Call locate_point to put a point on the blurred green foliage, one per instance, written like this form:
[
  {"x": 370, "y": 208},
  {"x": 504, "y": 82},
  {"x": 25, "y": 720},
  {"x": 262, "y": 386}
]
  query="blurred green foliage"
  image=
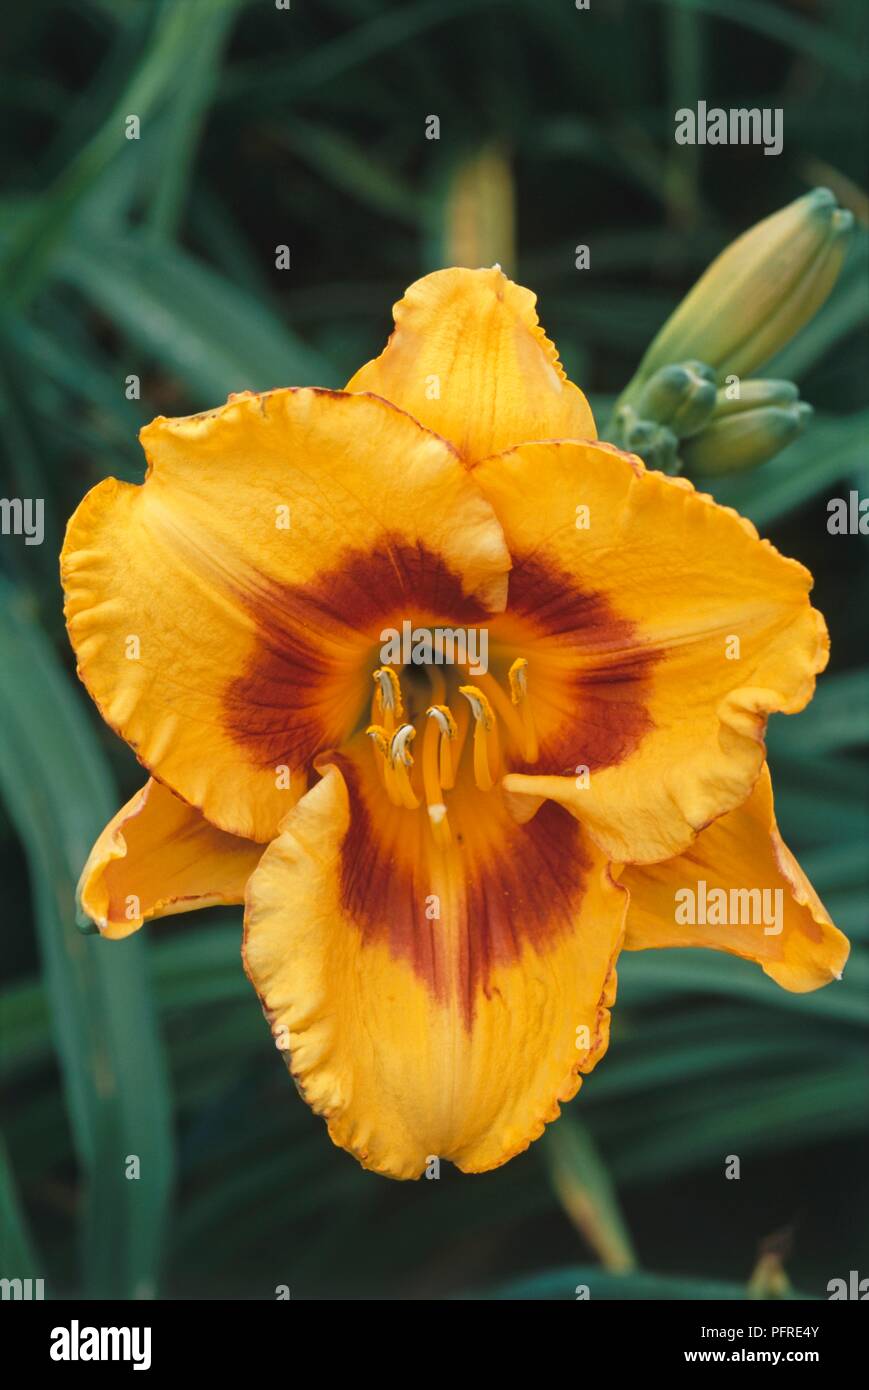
[{"x": 156, "y": 257}]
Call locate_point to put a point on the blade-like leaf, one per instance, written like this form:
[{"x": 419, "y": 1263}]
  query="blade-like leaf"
[{"x": 55, "y": 786}]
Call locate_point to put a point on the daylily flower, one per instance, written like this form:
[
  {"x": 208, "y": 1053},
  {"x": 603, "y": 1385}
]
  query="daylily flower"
[{"x": 439, "y": 869}]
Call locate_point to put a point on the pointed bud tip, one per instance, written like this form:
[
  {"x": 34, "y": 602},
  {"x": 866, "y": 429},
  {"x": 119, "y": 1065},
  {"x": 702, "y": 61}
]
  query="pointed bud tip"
[
  {"x": 820, "y": 197},
  {"x": 823, "y": 204},
  {"x": 842, "y": 221}
]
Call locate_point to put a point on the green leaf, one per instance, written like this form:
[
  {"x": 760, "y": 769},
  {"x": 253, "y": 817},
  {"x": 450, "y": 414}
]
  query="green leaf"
[
  {"x": 752, "y": 1114},
  {"x": 188, "y": 106},
  {"x": 161, "y": 68},
  {"x": 17, "y": 1250},
  {"x": 819, "y": 799},
  {"x": 554, "y": 1284},
  {"x": 24, "y": 1027},
  {"x": 813, "y": 40},
  {"x": 837, "y": 718},
  {"x": 55, "y": 786},
  {"x": 586, "y": 1191},
  {"x": 660, "y": 975},
  {"x": 352, "y": 170},
  {"x": 338, "y": 57},
  {"x": 191, "y": 319}
]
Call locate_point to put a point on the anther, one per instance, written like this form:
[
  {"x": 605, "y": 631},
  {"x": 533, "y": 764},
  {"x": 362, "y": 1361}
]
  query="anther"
[
  {"x": 380, "y": 737},
  {"x": 480, "y": 707},
  {"x": 518, "y": 677},
  {"x": 485, "y": 737},
  {"x": 442, "y": 716},
  {"x": 444, "y": 731},
  {"x": 399, "y": 747},
  {"x": 388, "y": 693},
  {"x": 401, "y": 760}
]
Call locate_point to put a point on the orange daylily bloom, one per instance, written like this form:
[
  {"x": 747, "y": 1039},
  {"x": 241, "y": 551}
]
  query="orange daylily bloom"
[{"x": 440, "y": 861}]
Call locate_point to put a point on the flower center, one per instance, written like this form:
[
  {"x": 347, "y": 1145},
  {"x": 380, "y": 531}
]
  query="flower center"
[{"x": 502, "y": 721}]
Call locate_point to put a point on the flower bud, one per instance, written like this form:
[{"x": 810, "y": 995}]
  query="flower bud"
[
  {"x": 754, "y": 394},
  {"x": 681, "y": 396},
  {"x": 743, "y": 439},
  {"x": 656, "y": 445},
  {"x": 757, "y": 294}
]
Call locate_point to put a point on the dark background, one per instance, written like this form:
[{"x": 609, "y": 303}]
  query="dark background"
[{"x": 156, "y": 257}]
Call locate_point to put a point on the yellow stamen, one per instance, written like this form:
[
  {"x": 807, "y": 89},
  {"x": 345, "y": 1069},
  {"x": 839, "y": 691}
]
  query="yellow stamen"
[
  {"x": 401, "y": 761},
  {"x": 443, "y": 717},
  {"x": 485, "y": 737},
  {"x": 518, "y": 677},
  {"x": 388, "y": 696},
  {"x": 439, "y": 730},
  {"x": 463, "y": 721},
  {"x": 399, "y": 746},
  {"x": 430, "y": 779},
  {"x": 480, "y": 707},
  {"x": 502, "y": 706},
  {"x": 442, "y": 720},
  {"x": 380, "y": 737}
]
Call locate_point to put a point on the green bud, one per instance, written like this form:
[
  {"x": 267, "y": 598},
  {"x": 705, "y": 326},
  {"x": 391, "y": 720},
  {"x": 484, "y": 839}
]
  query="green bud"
[
  {"x": 681, "y": 396},
  {"x": 656, "y": 445},
  {"x": 744, "y": 440},
  {"x": 752, "y": 395},
  {"x": 757, "y": 294}
]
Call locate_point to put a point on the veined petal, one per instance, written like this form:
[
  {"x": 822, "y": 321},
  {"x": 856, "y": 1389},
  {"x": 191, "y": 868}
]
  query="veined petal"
[
  {"x": 158, "y": 856},
  {"x": 432, "y": 1004},
  {"x": 741, "y": 874},
  {"x": 469, "y": 359},
  {"x": 226, "y": 614},
  {"x": 660, "y": 633}
]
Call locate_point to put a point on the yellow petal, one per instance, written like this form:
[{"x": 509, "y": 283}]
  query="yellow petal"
[
  {"x": 771, "y": 913},
  {"x": 432, "y": 1004},
  {"x": 469, "y": 359},
  {"x": 660, "y": 633},
  {"x": 158, "y": 856},
  {"x": 226, "y": 612}
]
